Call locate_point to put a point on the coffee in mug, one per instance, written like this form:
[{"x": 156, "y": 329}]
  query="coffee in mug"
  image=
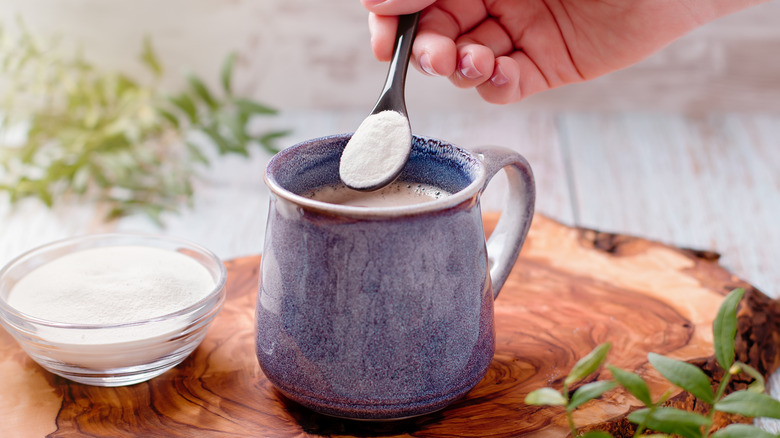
[{"x": 394, "y": 194}]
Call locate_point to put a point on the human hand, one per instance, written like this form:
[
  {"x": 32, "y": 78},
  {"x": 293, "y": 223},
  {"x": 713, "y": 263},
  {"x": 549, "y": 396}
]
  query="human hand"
[{"x": 510, "y": 49}]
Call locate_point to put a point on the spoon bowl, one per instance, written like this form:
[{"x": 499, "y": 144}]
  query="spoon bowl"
[{"x": 380, "y": 147}]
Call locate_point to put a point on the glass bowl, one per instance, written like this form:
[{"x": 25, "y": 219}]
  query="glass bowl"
[{"x": 111, "y": 354}]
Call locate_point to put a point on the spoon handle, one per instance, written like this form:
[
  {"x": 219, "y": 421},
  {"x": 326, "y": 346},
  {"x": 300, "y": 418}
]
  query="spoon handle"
[{"x": 392, "y": 96}]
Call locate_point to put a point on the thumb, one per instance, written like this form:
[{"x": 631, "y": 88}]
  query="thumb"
[{"x": 396, "y": 7}]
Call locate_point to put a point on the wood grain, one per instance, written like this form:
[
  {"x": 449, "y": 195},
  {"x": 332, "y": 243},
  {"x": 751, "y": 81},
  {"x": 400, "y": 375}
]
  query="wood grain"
[{"x": 570, "y": 290}]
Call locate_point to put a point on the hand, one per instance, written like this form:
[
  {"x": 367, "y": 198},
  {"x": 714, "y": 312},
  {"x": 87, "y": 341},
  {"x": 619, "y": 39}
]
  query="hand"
[{"x": 510, "y": 49}]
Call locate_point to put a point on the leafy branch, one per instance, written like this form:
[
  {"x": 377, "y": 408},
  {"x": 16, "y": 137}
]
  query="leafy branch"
[
  {"x": 67, "y": 128},
  {"x": 749, "y": 402}
]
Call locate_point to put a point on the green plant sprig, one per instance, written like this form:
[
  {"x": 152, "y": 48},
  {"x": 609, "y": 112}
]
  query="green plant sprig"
[
  {"x": 105, "y": 137},
  {"x": 749, "y": 402}
]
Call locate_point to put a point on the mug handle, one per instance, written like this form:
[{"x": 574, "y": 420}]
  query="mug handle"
[{"x": 505, "y": 242}]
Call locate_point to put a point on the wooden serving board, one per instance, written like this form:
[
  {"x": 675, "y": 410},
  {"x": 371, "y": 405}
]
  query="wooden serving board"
[{"x": 571, "y": 290}]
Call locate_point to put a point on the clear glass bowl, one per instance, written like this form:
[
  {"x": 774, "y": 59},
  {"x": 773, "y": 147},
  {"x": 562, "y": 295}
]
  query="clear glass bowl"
[{"x": 138, "y": 350}]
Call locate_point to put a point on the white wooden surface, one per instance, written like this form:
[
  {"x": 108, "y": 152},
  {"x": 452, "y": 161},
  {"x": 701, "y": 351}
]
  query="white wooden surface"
[{"x": 701, "y": 182}]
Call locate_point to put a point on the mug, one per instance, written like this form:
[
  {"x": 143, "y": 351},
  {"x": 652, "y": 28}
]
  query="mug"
[{"x": 385, "y": 312}]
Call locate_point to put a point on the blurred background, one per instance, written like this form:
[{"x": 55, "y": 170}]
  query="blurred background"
[{"x": 308, "y": 54}]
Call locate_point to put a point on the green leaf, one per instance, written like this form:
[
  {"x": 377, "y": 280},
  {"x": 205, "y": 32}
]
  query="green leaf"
[
  {"x": 124, "y": 85},
  {"x": 28, "y": 187},
  {"x": 596, "y": 434},
  {"x": 224, "y": 145},
  {"x": 749, "y": 404},
  {"x": 758, "y": 385},
  {"x": 742, "y": 431},
  {"x": 589, "y": 392},
  {"x": 588, "y": 364},
  {"x": 227, "y": 73},
  {"x": 724, "y": 328},
  {"x": 267, "y": 141},
  {"x": 60, "y": 170},
  {"x": 237, "y": 128},
  {"x": 154, "y": 212},
  {"x": 117, "y": 212},
  {"x": 684, "y": 375},
  {"x": 104, "y": 136},
  {"x": 149, "y": 57},
  {"x": 173, "y": 120},
  {"x": 670, "y": 420},
  {"x": 201, "y": 90},
  {"x": 80, "y": 180},
  {"x": 633, "y": 383},
  {"x": 112, "y": 143},
  {"x": 252, "y": 107},
  {"x": 197, "y": 154},
  {"x": 546, "y": 397},
  {"x": 185, "y": 103}
]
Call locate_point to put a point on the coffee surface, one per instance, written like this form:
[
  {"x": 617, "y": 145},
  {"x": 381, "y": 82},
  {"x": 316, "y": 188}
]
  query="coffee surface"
[{"x": 395, "y": 194}]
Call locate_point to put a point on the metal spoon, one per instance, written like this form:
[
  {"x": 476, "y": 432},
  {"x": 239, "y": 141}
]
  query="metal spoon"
[{"x": 380, "y": 147}]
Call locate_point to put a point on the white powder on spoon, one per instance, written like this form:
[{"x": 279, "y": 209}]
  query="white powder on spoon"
[
  {"x": 377, "y": 151},
  {"x": 111, "y": 285}
]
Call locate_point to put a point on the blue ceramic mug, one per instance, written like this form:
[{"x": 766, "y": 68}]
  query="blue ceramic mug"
[{"x": 386, "y": 312}]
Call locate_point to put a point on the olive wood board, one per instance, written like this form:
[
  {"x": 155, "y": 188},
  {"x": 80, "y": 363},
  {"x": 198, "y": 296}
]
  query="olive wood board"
[{"x": 570, "y": 290}]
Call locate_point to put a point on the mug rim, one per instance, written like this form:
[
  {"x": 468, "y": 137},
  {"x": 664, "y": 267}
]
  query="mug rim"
[{"x": 457, "y": 198}]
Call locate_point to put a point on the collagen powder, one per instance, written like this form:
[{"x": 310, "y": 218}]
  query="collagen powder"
[
  {"x": 111, "y": 285},
  {"x": 377, "y": 151}
]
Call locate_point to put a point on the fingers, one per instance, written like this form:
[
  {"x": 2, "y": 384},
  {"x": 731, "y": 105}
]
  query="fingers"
[
  {"x": 396, "y": 7},
  {"x": 503, "y": 85},
  {"x": 477, "y": 51},
  {"x": 382, "y": 29},
  {"x": 383, "y": 22},
  {"x": 485, "y": 57},
  {"x": 434, "y": 51},
  {"x": 491, "y": 35},
  {"x": 514, "y": 78},
  {"x": 475, "y": 66},
  {"x": 434, "y": 54}
]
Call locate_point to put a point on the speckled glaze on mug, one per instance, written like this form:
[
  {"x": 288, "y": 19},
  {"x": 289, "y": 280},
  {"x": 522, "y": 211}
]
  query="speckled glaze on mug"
[{"x": 387, "y": 312}]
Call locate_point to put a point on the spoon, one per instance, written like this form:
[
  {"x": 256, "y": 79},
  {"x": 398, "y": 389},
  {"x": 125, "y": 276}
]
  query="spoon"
[{"x": 380, "y": 147}]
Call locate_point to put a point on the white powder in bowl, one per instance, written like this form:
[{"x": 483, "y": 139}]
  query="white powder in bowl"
[
  {"x": 110, "y": 285},
  {"x": 122, "y": 284},
  {"x": 377, "y": 151}
]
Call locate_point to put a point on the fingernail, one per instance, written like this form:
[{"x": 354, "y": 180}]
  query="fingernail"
[
  {"x": 468, "y": 69},
  {"x": 499, "y": 78},
  {"x": 425, "y": 64},
  {"x": 372, "y": 2}
]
